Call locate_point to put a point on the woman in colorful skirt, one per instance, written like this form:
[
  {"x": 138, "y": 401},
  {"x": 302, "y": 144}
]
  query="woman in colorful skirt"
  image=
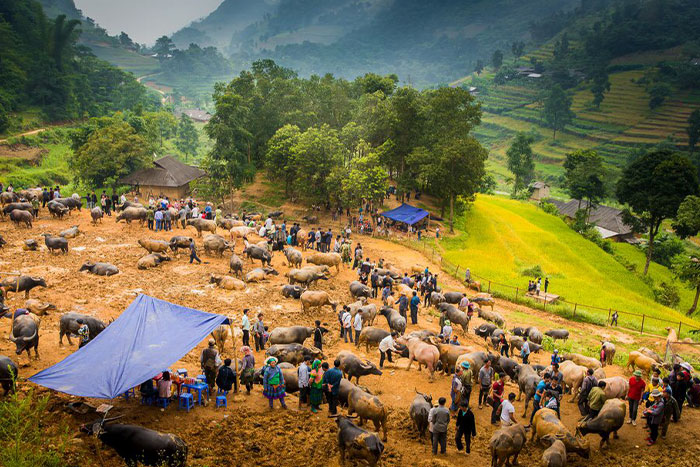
[
  {"x": 315, "y": 381},
  {"x": 273, "y": 382},
  {"x": 247, "y": 368}
]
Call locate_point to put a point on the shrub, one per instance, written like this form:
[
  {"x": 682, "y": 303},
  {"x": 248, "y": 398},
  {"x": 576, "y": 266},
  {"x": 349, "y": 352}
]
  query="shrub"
[
  {"x": 667, "y": 294},
  {"x": 665, "y": 248},
  {"x": 549, "y": 208},
  {"x": 534, "y": 271},
  {"x": 594, "y": 236}
]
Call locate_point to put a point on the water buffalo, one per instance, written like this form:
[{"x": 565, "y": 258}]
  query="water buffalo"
[
  {"x": 485, "y": 330},
  {"x": 476, "y": 360},
  {"x": 259, "y": 274},
  {"x": 519, "y": 331},
  {"x": 353, "y": 367},
  {"x": 453, "y": 297},
  {"x": 254, "y": 252},
  {"x": 227, "y": 223},
  {"x": 293, "y": 353},
  {"x": 22, "y": 284},
  {"x": 241, "y": 231},
  {"x": 55, "y": 243},
  {"x": 449, "y": 354},
  {"x": 368, "y": 407},
  {"x": 71, "y": 203},
  {"x": 292, "y": 291},
  {"x": 616, "y": 387},
  {"x": 494, "y": 318},
  {"x": 650, "y": 353},
  {"x": 38, "y": 307},
  {"x": 420, "y": 407},
  {"x": 151, "y": 261},
  {"x": 573, "y": 376},
  {"x": 582, "y": 360},
  {"x": 422, "y": 352},
  {"x": 326, "y": 259},
  {"x": 22, "y": 217},
  {"x": 516, "y": 343},
  {"x": 16, "y": 207},
  {"x": 394, "y": 319},
  {"x": 8, "y": 374},
  {"x": 455, "y": 315},
  {"x": 68, "y": 324},
  {"x": 436, "y": 298},
  {"x": 227, "y": 282},
  {"x": 310, "y": 219},
  {"x": 545, "y": 422},
  {"x": 358, "y": 289},
  {"x": 506, "y": 365},
  {"x": 368, "y": 313},
  {"x": 179, "y": 242},
  {"x": 316, "y": 299},
  {"x": 293, "y": 256},
  {"x": 555, "y": 454},
  {"x": 535, "y": 335},
  {"x": 25, "y": 335},
  {"x": 557, "y": 334},
  {"x": 96, "y": 214},
  {"x": 216, "y": 243},
  {"x": 131, "y": 214},
  {"x": 305, "y": 276},
  {"x": 290, "y": 335},
  {"x": 610, "y": 419},
  {"x": 56, "y": 209},
  {"x": 127, "y": 204},
  {"x": 8, "y": 197},
  {"x": 371, "y": 336},
  {"x": 644, "y": 363},
  {"x": 528, "y": 379},
  {"x": 30, "y": 245},
  {"x": 154, "y": 246},
  {"x": 70, "y": 233},
  {"x": 609, "y": 349},
  {"x": 356, "y": 443},
  {"x": 484, "y": 300},
  {"x": 202, "y": 225},
  {"x": 506, "y": 442},
  {"x": 100, "y": 269},
  {"x": 136, "y": 444}
]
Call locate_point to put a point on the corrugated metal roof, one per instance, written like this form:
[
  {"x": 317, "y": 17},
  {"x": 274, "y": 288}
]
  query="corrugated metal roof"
[
  {"x": 602, "y": 216},
  {"x": 168, "y": 172}
]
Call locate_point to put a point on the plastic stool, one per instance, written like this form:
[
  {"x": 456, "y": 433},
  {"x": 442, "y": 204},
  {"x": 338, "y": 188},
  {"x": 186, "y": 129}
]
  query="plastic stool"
[
  {"x": 162, "y": 402},
  {"x": 186, "y": 401},
  {"x": 129, "y": 393},
  {"x": 182, "y": 372},
  {"x": 221, "y": 401},
  {"x": 202, "y": 378}
]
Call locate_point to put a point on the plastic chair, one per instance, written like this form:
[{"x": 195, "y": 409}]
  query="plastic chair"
[
  {"x": 221, "y": 401},
  {"x": 186, "y": 401},
  {"x": 162, "y": 402}
]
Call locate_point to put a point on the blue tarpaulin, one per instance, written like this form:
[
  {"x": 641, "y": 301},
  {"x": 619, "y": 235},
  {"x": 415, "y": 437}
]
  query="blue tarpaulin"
[
  {"x": 406, "y": 213},
  {"x": 148, "y": 337}
]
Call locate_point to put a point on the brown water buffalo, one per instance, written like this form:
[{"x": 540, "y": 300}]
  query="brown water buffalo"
[
  {"x": 610, "y": 419},
  {"x": 235, "y": 265},
  {"x": 304, "y": 276},
  {"x": 573, "y": 377},
  {"x": 356, "y": 443},
  {"x": 217, "y": 244},
  {"x": 368, "y": 313},
  {"x": 259, "y": 274},
  {"x": 651, "y": 354},
  {"x": 293, "y": 256},
  {"x": 492, "y": 316},
  {"x": 290, "y": 335},
  {"x": 506, "y": 443},
  {"x": 151, "y": 261},
  {"x": 534, "y": 335},
  {"x": 644, "y": 363},
  {"x": 221, "y": 335},
  {"x": 293, "y": 353},
  {"x": 449, "y": 354},
  {"x": 38, "y": 307},
  {"x": 477, "y": 360},
  {"x": 484, "y": 300},
  {"x": 227, "y": 282},
  {"x": 202, "y": 225},
  {"x": 422, "y": 352},
  {"x": 555, "y": 454},
  {"x": 316, "y": 299},
  {"x": 371, "y": 336},
  {"x": 133, "y": 214},
  {"x": 456, "y": 316},
  {"x": 22, "y": 217},
  {"x": 368, "y": 407},
  {"x": 582, "y": 360},
  {"x": 326, "y": 259},
  {"x": 616, "y": 387},
  {"x": 545, "y": 422},
  {"x": 353, "y": 367}
]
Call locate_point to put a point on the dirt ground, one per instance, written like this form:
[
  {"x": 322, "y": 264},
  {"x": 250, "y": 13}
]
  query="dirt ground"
[{"x": 247, "y": 433}]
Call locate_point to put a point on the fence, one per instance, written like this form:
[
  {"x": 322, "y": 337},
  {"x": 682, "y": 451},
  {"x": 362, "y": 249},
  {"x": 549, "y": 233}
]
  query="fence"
[{"x": 571, "y": 310}]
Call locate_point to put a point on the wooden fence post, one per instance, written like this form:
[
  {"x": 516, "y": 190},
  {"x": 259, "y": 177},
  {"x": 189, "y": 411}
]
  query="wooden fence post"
[
  {"x": 516, "y": 293},
  {"x": 575, "y": 306},
  {"x": 544, "y": 303},
  {"x": 489, "y": 287},
  {"x": 641, "y": 331},
  {"x": 457, "y": 272},
  {"x": 609, "y": 313},
  {"x": 679, "y": 328}
]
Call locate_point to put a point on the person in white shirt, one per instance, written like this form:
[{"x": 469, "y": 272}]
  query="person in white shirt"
[
  {"x": 268, "y": 222},
  {"x": 447, "y": 331},
  {"x": 347, "y": 326},
  {"x": 262, "y": 231},
  {"x": 357, "y": 324},
  {"x": 123, "y": 199},
  {"x": 386, "y": 346},
  {"x": 195, "y": 212},
  {"x": 507, "y": 411},
  {"x": 245, "y": 327}
]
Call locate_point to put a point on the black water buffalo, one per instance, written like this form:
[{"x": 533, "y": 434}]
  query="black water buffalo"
[
  {"x": 534, "y": 335},
  {"x": 22, "y": 217},
  {"x": 610, "y": 419},
  {"x": 453, "y": 297},
  {"x": 68, "y": 324},
  {"x": 557, "y": 334},
  {"x": 519, "y": 331},
  {"x": 290, "y": 335},
  {"x": 100, "y": 269},
  {"x": 353, "y": 367},
  {"x": 55, "y": 243},
  {"x": 420, "y": 407},
  {"x": 292, "y": 291},
  {"x": 8, "y": 374},
  {"x": 357, "y": 443},
  {"x": 57, "y": 209},
  {"x": 358, "y": 289},
  {"x": 485, "y": 330},
  {"x": 527, "y": 379},
  {"x": 136, "y": 444},
  {"x": 293, "y": 353},
  {"x": 396, "y": 321},
  {"x": 371, "y": 336},
  {"x": 516, "y": 343},
  {"x": 25, "y": 335},
  {"x": 16, "y": 207},
  {"x": 71, "y": 203},
  {"x": 455, "y": 315},
  {"x": 254, "y": 252},
  {"x": 507, "y": 366},
  {"x": 96, "y": 214},
  {"x": 179, "y": 242},
  {"x": 22, "y": 284}
]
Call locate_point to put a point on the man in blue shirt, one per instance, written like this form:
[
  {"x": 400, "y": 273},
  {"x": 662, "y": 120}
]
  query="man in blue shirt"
[
  {"x": 415, "y": 301},
  {"x": 331, "y": 384},
  {"x": 539, "y": 393}
]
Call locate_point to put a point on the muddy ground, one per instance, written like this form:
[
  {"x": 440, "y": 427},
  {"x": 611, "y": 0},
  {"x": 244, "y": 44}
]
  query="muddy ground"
[{"x": 247, "y": 433}]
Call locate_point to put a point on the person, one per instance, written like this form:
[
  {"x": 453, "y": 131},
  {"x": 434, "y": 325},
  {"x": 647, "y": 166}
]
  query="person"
[
  {"x": 537, "y": 287},
  {"x": 539, "y": 394},
  {"x": 466, "y": 378},
  {"x": 374, "y": 281},
  {"x": 193, "y": 252},
  {"x": 341, "y": 315},
  {"x": 147, "y": 390},
  {"x": 447, "y": 331},
  {"x": 158, "y": 216},
  {"x": 463, "y": 303},
  {"x": 654, "y": 416},
  {"x": 525, "y": 351},
  {"x": 556, "y": 359},
  {"x": 589, "y": 382},
  {"x": 150, "y": 215},
  {"x": 347, "y": 325},
  {"x": 596, "y": 399},
  {"x": 259, "y": 330},
  {"x": 386, "y": 293},
  {"x": 318, "y": 335},
  {"x": 167, "y": 220},
  {"x": 634, "y": 395},
  {"x": 613, "y": 320},
  {"x": 466, "y": 427},
  {"x": 386, "y": 346},
  {"x": 654, "y": 384},
  {"x": 245, "y": 327},
  {"x": 437, "y": 232},
  {"x": 497, "y": 390},
  {"x": 485, "y": 379},
  {"x": 226, "y": 377},
  {"x": 316, "y": 384},
  {"x": 303, "y": 375},
  {"x": 503, "y": 345},
  {"x": 35, "y": 207},
  {"x": 45, "y": 197},
  {"x": 468, "y": 276},
  {"x": 671, "y": 411},
  {"x": 247, "y": 368},
  {"x": 507, "y": 411},
  {"x": 439, "y": 419},
  {"x": 693, "y": 395},
  {"x": 273, "y": 382},
  {"x": 415, "y": 302},
  {"x": 402, "y": 302},
  {"x": 456, "y": 389},
  {"x": 182, "y": 216},
  {"x": 454, "y": 340},
  {"x": 165, "y": 386},
  {"x": 681, "y": 385},
  {"x": 546, "y": 284},
  {"x": 83, "y": 332},
  {"x": 331, "y": 381},
  {"x": 357, "y": 326},
  {"x": 210, "y": 361},
  {"x": 556, "y": 374},
  {"x": 551, "y": 401}
]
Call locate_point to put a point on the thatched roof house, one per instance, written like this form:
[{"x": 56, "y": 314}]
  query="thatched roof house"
[{"x": 168, "y": 177}]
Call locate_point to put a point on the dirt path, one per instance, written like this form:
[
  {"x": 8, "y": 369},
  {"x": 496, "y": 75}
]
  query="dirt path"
[
  {"x": 247, "y": 433},
  {"x": 27, "y": 133}
]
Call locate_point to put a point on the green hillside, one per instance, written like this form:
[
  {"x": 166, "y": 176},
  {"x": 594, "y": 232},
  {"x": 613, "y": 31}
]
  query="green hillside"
[{"x": 501, "y": 238}]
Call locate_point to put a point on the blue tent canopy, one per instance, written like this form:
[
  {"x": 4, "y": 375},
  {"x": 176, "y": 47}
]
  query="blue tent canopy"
[
  {"x": 406, "y": 213},
  {"x": 149, "y": 336}
]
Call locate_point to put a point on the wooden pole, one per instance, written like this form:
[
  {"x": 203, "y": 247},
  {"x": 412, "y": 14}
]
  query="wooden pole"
[
  {"x": 516, "y": 293},
  {"x": 679, "y": 328},
  {"x": 489, "y": 287},
  {"x": 641, "y": 331},
  {"x": 575, "y": 306}
]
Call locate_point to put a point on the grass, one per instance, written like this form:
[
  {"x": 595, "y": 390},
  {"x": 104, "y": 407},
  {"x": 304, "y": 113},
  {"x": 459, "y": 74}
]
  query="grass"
[
  {"x": 128, "y": 60},
  {"x": 500, "y": 238}
]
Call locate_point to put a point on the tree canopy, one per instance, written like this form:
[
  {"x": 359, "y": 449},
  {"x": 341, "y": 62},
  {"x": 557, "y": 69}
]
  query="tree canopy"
[
  {"x": 520, "y": 162},
  {"x": 585, "y": 176}
]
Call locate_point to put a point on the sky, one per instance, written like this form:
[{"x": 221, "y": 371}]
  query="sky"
[{"x": 145, "y": 20}]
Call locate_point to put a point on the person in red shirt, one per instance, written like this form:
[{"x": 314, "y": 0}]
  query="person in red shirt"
[
  {"x": 497, "y": 396},
  {"x": 634, "y": 396}
]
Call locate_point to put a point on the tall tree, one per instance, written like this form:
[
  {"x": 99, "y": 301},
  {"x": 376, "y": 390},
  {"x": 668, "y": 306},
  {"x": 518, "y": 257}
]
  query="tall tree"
[
  {"x": 600, "y": 85},
  {"x": 497, "y": 59},
  {"x": 63, "y": 36},
  {"x": 479, "y": 67},
  {"x": 693, "y": 129},
  {"x": 366, "y": 180},
  {"x": 187, "y": 138},
  {"x": 315, "y": 154},
  {"x": 520, "y": 161},
  {"x": 158, "y": 126},
  {"x": 164, "y": 46},
  {"x": 584, "y": 173},
  {"x": 517, "y": 47},
  {"x": 687, "y": 222},
  {"x": 280, "y": 151},
  {"x": 687, "y": 269},
  {"x": 557, "y": 109},
  {"x": 654, "y": 186}
]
